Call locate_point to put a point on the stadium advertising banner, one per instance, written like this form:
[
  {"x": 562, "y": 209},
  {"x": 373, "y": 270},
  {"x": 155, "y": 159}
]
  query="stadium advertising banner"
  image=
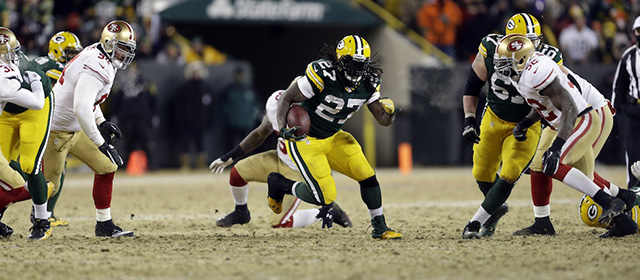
[{"x": 306, "y": 12}]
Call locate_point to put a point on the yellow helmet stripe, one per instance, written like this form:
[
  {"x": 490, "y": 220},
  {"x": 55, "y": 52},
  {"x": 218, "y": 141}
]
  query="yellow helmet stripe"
[{"x": 315, "y": 78}]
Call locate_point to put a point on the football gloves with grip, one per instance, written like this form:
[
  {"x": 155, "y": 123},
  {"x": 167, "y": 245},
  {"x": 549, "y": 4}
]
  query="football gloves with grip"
[
  {"x": 290, "y": 133},
  {"x": 217, "y": 166},
  {"x": 30, "y": 77},
  {"x": 520, "y": 131},
  {"x": 326, "y": 215},
  {"x": 388, "y": 105},
  {"x": 551, "y": 158},
  {"x": 110, "y": 132},
  {"x": 471, "y": 131},
  {"x": 110, "y": 151}
]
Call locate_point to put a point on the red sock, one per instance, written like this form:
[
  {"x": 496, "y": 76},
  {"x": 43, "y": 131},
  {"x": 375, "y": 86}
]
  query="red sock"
[
  {"x": 601, "y": 182},
  {"x": 13, "y": 196},
  {"x": 235, "y": 179},
  {"x": 541, "y": 186},
  {"x": 102, "y": 187}
]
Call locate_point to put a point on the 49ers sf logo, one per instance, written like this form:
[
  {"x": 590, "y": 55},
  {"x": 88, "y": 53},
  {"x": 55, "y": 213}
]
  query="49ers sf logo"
[
  {"x": 516, "y": 45},
  {"x": 114, "y": 27},
  {"x": 4, "y": 39}
]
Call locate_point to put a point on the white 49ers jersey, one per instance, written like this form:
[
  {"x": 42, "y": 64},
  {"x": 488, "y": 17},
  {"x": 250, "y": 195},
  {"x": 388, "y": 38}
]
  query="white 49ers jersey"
[
  {"x": 271, "y": 107},
  {"x": 590, "y": 93},
  {"x": 10, "y": 83},
  {"x": 538, "y": 73},
  {"x": 93, "y": 62}
]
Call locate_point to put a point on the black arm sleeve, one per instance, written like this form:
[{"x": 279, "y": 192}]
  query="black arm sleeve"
[{"x": 473, "y": 85}]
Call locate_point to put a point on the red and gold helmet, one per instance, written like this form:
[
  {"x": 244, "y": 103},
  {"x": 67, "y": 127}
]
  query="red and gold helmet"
[
  {"x": 9, "y": 46},
  {"x": 119, "y": 41}
]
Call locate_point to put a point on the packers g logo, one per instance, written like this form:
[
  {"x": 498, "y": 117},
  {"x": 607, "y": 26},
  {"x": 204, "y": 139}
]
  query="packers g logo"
[
  {"x": 592, "y": 212},
  {"x": 511, "y": 24},
  {"x": 115, "y": 28},
  {"x": 340, "y": 45},
  {"x": 59, "y": 39},
  {"x": 515, "y": 46},
  {"x": 4, "y": 39}
]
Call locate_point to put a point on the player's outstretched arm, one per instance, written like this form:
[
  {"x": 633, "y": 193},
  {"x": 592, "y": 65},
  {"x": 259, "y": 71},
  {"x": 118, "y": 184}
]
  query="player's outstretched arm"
[
  {"x": 476, "y": 78},
  {"x": 254, "y": 139},
  {"x": 383, "y": 110},
  {"x": 11, "y": 91}
]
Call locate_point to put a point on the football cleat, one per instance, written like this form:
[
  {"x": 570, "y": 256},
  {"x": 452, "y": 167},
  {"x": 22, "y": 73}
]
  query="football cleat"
[
  {"x": 611, "y": 207},
  {"x": 40, "y": 230},
  {"x": 629, "y": 198},
  {"x": 622, "y": 225},
  {"x": 340, "y": 217},
  {"x": 276, "y": 183},
  {"x": 471, "y": 230},
  {"x": 55, "y": 222},
  {"x": 381, "y": 231},
  {"x": 239, "y": 216},
  {"x": 541, "y": 226},
  {"x": 489, "y": 226},
  {"x": 5, "y": 230},
  {"x": 109, "y": 229}
]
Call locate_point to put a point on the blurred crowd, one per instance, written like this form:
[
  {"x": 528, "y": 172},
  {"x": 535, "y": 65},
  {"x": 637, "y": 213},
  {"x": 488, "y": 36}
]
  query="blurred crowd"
[
  {"x": 35, "y": 21},
  {"x": 588, "y": 31}
]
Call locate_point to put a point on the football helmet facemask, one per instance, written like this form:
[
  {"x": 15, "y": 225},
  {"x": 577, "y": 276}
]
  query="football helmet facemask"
[
  {"x": 525, "y": 24},
  {"x": 9, "y": 46},
  {"x": 64, "y": 46},
  {"x": 591, "y": 211},
  {"x": 354, "y": 55},
  {"x": 119, "y": 41},
  {"x": 511, "y": 56}
]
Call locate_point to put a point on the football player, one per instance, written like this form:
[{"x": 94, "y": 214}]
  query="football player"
[
  {"x": 257, "y": 167},
  {"x": 24, "y": 131},
  {"x": 11, "y": 91},
  {"x": 333, "y": 89},
  {"x": 503, "y": 110},
  {"x": 78, "y": 126},
  {"x": 63, "y": 47},
  {"x": 555, "y": 97}
]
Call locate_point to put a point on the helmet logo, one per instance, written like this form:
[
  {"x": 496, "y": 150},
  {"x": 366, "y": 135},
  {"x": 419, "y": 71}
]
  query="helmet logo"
[
  {"x": 515, "y": 46},
  {"x": 114, "y": 27},
  {"x": 592, "y": 212},
  {"x": 340, "y": 45},
  {"x": 511, "y": 24},
  {"x": 59, "y": 39},
  {"x": 4, "y": 39}
]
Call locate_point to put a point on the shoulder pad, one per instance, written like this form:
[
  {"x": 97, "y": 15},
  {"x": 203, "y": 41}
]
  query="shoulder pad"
[
  {"x": 319, "y": 70},
  {"x": 541, "y": 74},
  {"x": 489, "y": 43}
]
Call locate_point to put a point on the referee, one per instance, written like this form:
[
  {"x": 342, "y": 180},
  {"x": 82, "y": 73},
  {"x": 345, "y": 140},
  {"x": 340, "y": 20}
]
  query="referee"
[{"x": 625, "y": 97}]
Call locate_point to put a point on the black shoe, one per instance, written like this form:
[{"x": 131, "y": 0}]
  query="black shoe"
[
  {"x": 381, "y": 231},
  {"x": 611, "y": 206},
  {"x": 109, "y": 229},
  {"x": 277, "y": 185},
  {"x": 541, "y": 226},
  {"x": 629, "y": 198},
  {"x": 5, "y": 230},
  {"x": 40, "y": 230},
  {"x": 489, "y": 226},
  {"x": 471, "y": 230},
  {"x": 340, "y": 217},
  {"x": 240, "y": 216},
  {"x": 622, "y": 225},
  {"x": 326, "y": 215}
]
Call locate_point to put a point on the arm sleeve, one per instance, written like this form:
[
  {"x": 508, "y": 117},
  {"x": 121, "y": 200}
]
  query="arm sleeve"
[
  {"x": 84, "y": 95},
  {"x": 32, "y": 99}
]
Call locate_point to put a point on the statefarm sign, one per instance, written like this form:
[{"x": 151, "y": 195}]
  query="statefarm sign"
[{"x": 268, "y": 10}]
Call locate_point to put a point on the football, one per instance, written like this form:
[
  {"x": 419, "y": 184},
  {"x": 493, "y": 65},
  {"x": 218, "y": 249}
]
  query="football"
[{"x": 298, "y": 116}]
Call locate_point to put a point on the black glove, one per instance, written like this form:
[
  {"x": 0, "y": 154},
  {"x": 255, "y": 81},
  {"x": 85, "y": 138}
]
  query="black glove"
[
  {"x": 290, "y": 133},
  {"x": 110, "y": 151},
  {"x": 326, "y": 214},
  {"x": 371, "y": 81},
  {"x": 110, "y": 132},
  {"x": 551, "y": 158},
  {"x": 520, "y": 131},
  {"x": 471, "y": 130}
]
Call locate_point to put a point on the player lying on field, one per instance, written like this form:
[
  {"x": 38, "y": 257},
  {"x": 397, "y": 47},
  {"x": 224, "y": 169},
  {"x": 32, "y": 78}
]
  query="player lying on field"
[{"x": 257, "y": 167}]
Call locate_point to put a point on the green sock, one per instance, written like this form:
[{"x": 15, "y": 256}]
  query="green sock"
[
  {"x": 497, "y": 195},
  {"x": 371, "y": 196},
  {"x": 37, "y": 188},
  {"x": 303, "y": 192},
  {"x": 485, "y": 187}
]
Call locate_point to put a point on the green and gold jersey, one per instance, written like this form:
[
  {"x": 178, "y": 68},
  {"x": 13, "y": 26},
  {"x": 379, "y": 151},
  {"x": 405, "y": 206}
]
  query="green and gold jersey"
[
  {"x": 329, "y": 103},
  {"x": 502, "y": 96},
  {"x": 27, "y": 65},
  {"x": 50, "y": 67}
]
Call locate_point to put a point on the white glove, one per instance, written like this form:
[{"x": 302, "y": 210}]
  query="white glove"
[
  {"x": 635, "y": 169},
  {"x": 217, "y": 166},
  {"x": 30, "y": 77}
]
